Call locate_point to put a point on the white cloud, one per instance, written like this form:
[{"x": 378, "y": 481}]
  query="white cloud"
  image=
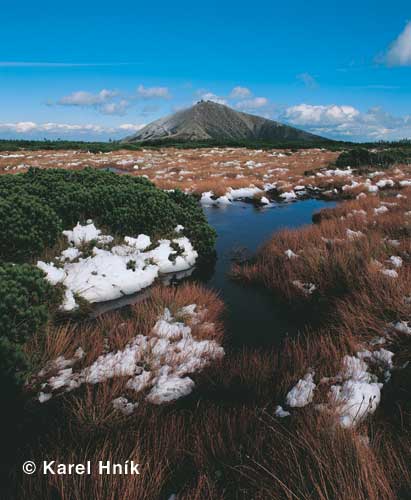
[
  {"x": 255, "y": 103},
  {"x": 304, "y": 114},
  {"x": 153, "y": 92},
  {"x": 73, "y": 130},
  {"x": 209, "y": 96},
  {"x": 240, "y": 93},
  {"x": 115, "y": 108},
  {"x": 108, "y": 102},
  {"x": 131, "y": 127},
  {"x": 20, "y": 127},
  {"x": 82, "y": 98},
  {"x": 399, "y": 52},
  {"x": 347, "y": 122}
]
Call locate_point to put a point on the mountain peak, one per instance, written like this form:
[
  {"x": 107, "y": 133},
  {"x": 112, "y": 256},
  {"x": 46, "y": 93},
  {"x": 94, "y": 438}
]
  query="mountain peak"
[{"x": 211, "y": 121}]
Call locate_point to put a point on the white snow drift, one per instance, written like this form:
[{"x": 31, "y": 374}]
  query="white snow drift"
[
  {"x": 110, "y": 273},
  {"x": 157, "y": 364}
]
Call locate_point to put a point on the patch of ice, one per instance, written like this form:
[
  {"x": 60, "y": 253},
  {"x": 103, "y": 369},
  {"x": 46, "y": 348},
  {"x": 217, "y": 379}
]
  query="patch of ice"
[
  {"x": 140, "y": 243},
  {"x": 391, "y": 273},
  {"x": 380, "y": 210},
  {"x": 353, "y": 235},
  {"x": 70, "y": 254},
  {"x": 43, "y": 397},
  {"x": 402, "y": 327},
  {"x": 354, "y": 400},
  {"x": 288, "y": 196},
  {"x": 290, "y": 254},
  {"x": 338, "y": 172},
  {"x": 359, "y": 393},
  {"x": 54, "y": 274},
  {"x": 82, "y": 234},
  {"x": 168, "y": 388},
  {"x": 396, "y": 261},
  {"x": 243, "y": 193},
  {"x": 207, "y": 198},
  {"x": 280, "y": 412},
  {"x": 123, "y": 405},
  {"x": 306, "y": 288},
  {"x": 302, "y": 393},
  {"x": 384, "y": 183}
]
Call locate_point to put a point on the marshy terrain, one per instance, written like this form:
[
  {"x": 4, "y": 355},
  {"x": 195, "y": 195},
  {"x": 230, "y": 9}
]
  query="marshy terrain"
[{"x": 276, "y": 366}]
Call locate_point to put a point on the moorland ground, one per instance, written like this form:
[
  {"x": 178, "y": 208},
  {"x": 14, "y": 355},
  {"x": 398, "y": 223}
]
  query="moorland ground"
[{"x": 344, "y": 381}]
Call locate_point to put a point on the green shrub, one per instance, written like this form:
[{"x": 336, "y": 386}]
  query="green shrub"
[
  {"x": 200, "y": 233},
  {"x": 27, "y": 226},
  {"x": 26, "y": 301},
  {"x": 123, "y": 204},
  {"x": 363, "y": 158}
]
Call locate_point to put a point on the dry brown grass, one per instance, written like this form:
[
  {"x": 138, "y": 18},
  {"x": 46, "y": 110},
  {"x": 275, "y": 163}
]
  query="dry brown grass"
[
  {"x": 312, "y": 462},
  {"x": 116, "y": 449},
  {"x": 197, "y": 170},
  {"x": 223, "y": 443},
  {"x": 215, "y": 447},
  {"x": 216, "y": 169},
  {"x": 337, "y": 264}
]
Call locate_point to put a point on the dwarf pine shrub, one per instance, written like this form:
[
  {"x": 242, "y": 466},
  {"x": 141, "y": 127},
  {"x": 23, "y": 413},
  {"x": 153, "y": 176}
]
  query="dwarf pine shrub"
[
  {"x": 26, "y": 301},
  {"x": 362, "y": 157},
  {"x": 124, "y": 205},
  {"x": 27, "y": 226}
]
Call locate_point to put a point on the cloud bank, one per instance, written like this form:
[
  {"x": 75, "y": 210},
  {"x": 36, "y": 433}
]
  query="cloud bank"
[
  {"x": 66, "y": 130},
  {"x": 347, "y": 122}
]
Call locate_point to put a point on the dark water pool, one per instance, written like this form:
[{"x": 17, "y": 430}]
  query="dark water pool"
[{"x": 253, "y": 317}]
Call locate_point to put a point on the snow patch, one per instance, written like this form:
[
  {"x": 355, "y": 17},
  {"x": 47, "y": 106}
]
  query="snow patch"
[
  {"x": 302, "y": 393},
  {"x": 123, "y": 270},
  {"x": 168, "y": 355}
]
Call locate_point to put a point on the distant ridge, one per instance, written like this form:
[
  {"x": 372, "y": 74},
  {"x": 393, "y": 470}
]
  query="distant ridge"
[{"x": 209, "y": 121}]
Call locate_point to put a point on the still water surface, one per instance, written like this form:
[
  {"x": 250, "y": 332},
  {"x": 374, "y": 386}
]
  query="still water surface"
[{"x": 252, "y": 317}]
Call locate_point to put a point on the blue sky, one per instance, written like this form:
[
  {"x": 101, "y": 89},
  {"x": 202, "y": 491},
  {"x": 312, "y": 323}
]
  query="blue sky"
[{"x": 94, "y": 70}]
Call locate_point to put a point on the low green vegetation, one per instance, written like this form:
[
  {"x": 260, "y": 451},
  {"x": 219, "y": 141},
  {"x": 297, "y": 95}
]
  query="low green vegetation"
[
  {"x": 384, "y": 158},
  {"x": 27, "y": 226},
  {"x": 104, "y": 147},
  {"x": 92, "y": 147},
  {"x": 27, "y": 302},
  {"x": 37, "y": 204}
]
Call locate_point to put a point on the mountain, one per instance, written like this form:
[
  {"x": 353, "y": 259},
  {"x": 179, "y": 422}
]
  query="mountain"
[{"x": 209, "y": 121}]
